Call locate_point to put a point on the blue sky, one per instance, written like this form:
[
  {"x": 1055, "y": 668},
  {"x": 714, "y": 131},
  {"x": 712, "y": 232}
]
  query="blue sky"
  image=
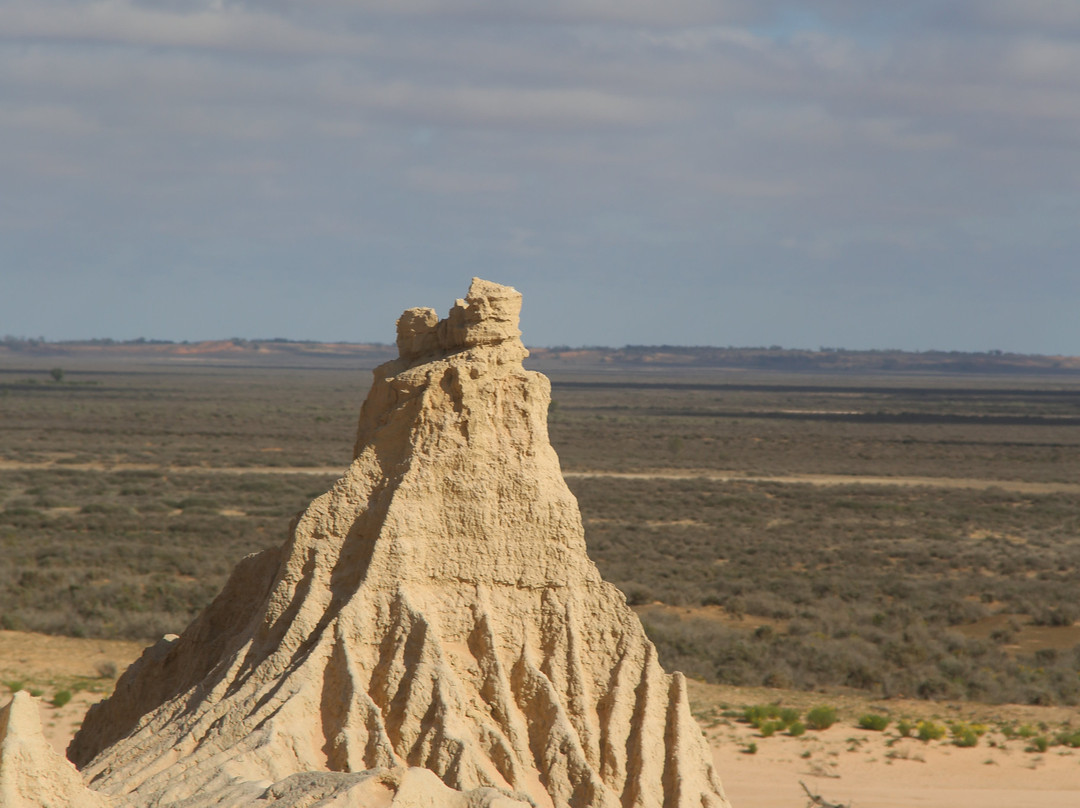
[{"x": 689, "y": 172}]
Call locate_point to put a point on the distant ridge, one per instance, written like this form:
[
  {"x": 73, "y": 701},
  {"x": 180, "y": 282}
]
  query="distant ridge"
[{"x": 824, "y": 360}]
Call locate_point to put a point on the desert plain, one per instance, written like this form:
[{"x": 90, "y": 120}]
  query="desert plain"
[{"x": 895, "y": 544}]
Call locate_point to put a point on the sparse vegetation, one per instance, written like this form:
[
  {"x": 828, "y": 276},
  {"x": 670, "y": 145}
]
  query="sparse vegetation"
[
  {"x": 1068, "y": 737},
  {"x": 931, "y": 592},
  {"x": 817, "y": 801}
]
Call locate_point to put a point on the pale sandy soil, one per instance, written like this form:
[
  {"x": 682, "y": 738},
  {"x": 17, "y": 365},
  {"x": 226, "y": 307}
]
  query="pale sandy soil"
[
  {"x": 920, "y": 776},
  {"x": 53, "y": 664},
  {"x": 968, "y": 483},
  {"x": 843, "y": 764},
  {"x": 849, "y": 766}
]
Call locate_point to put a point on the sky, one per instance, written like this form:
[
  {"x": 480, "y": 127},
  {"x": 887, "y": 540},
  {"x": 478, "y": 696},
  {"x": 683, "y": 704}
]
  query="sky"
[{"x": 836, "y": 173}]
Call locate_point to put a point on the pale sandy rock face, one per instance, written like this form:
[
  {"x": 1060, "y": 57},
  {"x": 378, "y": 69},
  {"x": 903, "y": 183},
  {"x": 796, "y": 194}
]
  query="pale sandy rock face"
[
  {"x": 416, "y": 333},
  {"x": 433, "y": 622},
  {"x": 32, "y": 775}
]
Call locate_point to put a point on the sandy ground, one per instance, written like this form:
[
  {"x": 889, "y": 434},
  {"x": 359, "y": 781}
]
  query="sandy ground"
[
  {"x": 864, "y": 769},
  {"x": 49, "y": 665},
  {"x": 968, "y": 483},
  {"x": 844, "y": 765},
  {"x": 918, "y": 775}
]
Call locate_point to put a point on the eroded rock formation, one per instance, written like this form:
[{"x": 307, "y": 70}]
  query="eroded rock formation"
[
  {"x": 32, "y": 775},
  {"x": 435, "y": 610}
]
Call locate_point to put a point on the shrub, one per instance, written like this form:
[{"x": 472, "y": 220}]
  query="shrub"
[
  {"x": 821, "y": 717},
  {"x": 637, "y": 595},
  {"x": 904, "y": 727},
  {"x": 796, "y": 729},
  {"x": 929, "y": 731},
  {"x": 1068, "y": 738},
  {"x": 965, "y": 736},
  {"x": 61, "y": 698},
  {"x": 770, "y": 728},
  {"x": 757, "y": 714},
  {"x": 873, "y": 721},
  {"x": 770, "y": 718},
  {"x": 1058, "y": 615},
  {"x": 10, "y": 622},
  {"x": 789, "y": 715},
  {"x": 1040, "y": 743},
  {"x": 750, "y": 748}
]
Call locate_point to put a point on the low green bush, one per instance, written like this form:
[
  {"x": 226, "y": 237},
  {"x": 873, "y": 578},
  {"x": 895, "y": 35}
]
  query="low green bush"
[
  {"x": 821, "y": 717},
  {"x": 1070, "y": 738},
  {"x": 770, "y": 728},
  {"x": 769, "y": 719},
  {"x": 929, "y": 731},
  {"x": 873, "y": 721},
  {"x": 796, "y": 729},
  {"x": 757, "y": 714},
  {"x": 965, "y": 737},
  {"x": 61, "y": 697},
  {"x": 789, "y": 715}
]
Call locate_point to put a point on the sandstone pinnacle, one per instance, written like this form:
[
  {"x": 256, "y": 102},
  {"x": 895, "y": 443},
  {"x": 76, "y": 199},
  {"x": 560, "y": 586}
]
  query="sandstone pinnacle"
[{"x": 431, "y": 633}]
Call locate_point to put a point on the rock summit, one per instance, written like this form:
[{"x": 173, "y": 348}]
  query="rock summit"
[{"x": 432, "y": 633}]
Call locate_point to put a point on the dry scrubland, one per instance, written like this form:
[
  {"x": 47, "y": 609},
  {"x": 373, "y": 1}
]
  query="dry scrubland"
[{"x": 128, "y": 491}]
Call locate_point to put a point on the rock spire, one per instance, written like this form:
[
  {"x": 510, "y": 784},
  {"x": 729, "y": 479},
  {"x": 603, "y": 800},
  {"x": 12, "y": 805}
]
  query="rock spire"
[
  {"x": 32, "y": 775},
  {"x": 432, "y": 632}
]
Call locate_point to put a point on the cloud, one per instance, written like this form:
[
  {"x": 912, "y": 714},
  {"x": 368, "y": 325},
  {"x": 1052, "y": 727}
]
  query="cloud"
[
  {"x": 561, "y": 12},
  {"x": 209, "y": 25},
  {"x": 681, "y": 141},
  {"x": 515, "y": 107},
  {"x": 455, "y": 183},
  {"x": 1060, "y": 16},
  {"x": 51, "y": 118},
  {"x": 1046, "y": 61}
]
